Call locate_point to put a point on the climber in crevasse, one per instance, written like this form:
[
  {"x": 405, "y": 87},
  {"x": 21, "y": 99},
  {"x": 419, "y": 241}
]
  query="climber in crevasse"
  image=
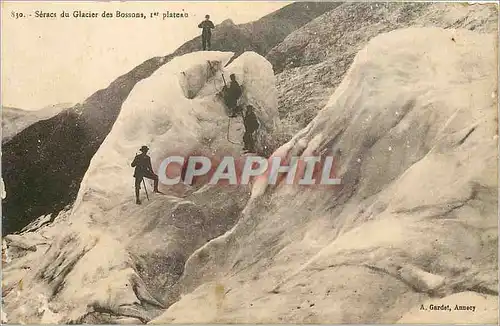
[
  {"x": 231, "y": 95},
  {"x": 143, "y": 169},
  {"x": 251, "y": 124},
  {"x": 206, "y": 33}
]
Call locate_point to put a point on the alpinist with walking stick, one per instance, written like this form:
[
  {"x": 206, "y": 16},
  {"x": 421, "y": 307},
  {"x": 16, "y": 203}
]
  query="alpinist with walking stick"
[{"x": 143, "y": 169}]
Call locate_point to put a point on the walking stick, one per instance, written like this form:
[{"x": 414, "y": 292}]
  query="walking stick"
[
  {"x": 224, "y": 80},
  {"x": 145, "y": 189}
]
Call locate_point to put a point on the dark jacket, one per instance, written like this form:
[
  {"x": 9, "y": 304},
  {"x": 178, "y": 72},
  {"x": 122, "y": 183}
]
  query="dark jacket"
[
  {"x": 251, "y": 122},
  {"x": 234, "y": 89},
  {"x": 142, "y": 164},
  {"x": 207, "y": 26}
]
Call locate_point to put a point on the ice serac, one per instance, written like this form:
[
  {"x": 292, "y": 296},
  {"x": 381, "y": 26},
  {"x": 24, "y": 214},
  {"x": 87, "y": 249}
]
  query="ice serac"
[
  {"x": 414, "y": 128},
  {"x": 108, "y": 260},
  {"x": 158, "y": 113}
]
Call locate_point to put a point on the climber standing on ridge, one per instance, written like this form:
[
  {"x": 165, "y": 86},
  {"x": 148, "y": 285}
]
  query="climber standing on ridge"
[
  {"x": 251, "y": 124},
  {"x": 231, "y": 95},
  {"x": 206, "y": 33},
  {"x": 143, "y": 169}
]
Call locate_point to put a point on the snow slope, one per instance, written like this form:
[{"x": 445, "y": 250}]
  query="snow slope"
[
  {"x": 111, "y": 259},
  {"x": 414, "y": 126}
]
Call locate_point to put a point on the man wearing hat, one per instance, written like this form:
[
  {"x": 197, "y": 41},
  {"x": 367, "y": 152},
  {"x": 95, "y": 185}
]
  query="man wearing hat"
[
  {"x": 206, "y": 34},
  {"x": 143, "y": 169}
]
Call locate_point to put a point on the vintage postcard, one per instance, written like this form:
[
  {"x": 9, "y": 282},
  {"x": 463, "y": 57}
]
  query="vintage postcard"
[{"x": 250, "y": 162}]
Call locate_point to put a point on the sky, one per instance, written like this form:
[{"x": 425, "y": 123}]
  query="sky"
[{"x": 46, "y": 60}]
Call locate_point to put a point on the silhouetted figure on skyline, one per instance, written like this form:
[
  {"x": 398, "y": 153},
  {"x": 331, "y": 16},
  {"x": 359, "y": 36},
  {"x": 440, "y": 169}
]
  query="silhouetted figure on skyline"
[{"x": 206, "y": 33}]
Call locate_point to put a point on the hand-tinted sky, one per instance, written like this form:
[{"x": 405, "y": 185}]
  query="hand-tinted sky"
[{"x": 53, "y": 60}]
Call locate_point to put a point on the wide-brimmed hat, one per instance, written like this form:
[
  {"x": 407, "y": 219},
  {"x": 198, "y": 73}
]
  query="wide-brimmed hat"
[{"x": 144, "y": 148}]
